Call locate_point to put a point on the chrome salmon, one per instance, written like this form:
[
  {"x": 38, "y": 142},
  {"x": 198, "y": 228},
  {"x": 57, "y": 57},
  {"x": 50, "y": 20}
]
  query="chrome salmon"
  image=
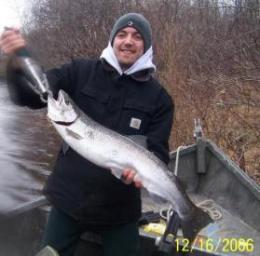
[{"x": 110, "y": 150}]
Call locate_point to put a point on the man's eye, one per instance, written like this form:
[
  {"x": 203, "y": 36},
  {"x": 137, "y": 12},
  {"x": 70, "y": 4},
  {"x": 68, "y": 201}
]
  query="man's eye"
[
  {"x": 138, "y": 37},
  {"x": 120, "y": 35}
]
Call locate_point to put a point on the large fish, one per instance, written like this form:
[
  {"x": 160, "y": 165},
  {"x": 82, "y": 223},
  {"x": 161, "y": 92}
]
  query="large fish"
[{"x": 110, "y": 150}]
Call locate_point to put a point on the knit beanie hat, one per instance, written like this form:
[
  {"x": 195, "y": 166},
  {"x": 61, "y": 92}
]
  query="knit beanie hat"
[{"x": 137, "y": 21}]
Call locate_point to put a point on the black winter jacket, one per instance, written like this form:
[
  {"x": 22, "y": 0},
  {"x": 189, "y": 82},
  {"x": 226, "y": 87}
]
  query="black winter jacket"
[{"x": 89, "y": 193}]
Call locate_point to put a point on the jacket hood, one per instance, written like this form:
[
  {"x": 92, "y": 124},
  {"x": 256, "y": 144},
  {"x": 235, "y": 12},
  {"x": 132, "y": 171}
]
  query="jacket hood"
[{"x": 144, "y": 63}]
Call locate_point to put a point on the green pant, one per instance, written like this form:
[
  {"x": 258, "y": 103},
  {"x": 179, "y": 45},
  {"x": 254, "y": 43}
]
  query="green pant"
[{"x": 63, "y": 234}]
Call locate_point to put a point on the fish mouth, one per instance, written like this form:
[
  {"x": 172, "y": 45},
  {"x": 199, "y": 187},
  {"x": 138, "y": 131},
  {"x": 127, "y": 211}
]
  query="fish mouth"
[
  {"x": 63, "y": 123},
  {"x": 62, "y": 111},
  {"x": 63, "y": 99}
]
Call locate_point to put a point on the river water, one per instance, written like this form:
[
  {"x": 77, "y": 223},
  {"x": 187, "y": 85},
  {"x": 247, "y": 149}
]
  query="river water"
[{"x": 28, "y": 145}]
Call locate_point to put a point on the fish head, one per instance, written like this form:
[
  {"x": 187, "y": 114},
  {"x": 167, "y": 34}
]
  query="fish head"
[{"x": 62, "y": 110}]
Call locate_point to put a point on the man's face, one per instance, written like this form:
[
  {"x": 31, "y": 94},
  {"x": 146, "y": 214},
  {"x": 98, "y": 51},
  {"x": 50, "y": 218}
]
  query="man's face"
[{"x": 128, "y": 46}]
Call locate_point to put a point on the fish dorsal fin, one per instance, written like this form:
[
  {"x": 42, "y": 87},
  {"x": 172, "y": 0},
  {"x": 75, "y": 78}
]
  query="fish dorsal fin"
[
  {"x": 141, "y": 140},
  {"x": 116, "y": 172}
]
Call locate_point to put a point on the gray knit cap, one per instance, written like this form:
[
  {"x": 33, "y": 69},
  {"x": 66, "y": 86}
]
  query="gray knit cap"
[{"x": 139, "y": 22}]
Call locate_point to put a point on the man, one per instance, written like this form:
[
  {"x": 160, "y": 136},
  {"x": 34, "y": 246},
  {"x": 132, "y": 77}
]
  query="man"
[{"x": 119, "y": 92}]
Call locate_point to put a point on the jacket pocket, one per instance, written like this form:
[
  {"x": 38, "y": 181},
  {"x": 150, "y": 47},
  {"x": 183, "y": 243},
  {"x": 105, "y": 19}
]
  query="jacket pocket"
[
  {"x": 96, "y": 95},
  {"x": 93, "y": 102},
  {"x": 135, "y": 117}
]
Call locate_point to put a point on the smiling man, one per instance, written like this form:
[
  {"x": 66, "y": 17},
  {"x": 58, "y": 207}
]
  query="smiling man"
[
  {"x": 118, "y": 91},
  {"x": 128, "y": 46}
]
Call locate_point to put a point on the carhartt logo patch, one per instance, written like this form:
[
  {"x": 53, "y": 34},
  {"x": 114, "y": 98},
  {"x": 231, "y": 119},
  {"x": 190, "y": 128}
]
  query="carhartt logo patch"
[{"x": 135, "y": 123}]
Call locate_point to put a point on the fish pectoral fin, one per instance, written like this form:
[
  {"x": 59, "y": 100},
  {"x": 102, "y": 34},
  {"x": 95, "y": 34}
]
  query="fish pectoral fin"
[{"x": 116, "y": 172}]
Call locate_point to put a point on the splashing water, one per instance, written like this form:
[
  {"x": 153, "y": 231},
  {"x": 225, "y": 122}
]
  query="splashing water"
[{"x": 26, "y": 151}]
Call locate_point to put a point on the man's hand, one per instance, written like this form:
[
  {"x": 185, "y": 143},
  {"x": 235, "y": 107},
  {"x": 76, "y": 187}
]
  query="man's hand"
[
  {"x": 130, "y": 176},
  {"x": 11, "y": 40}
]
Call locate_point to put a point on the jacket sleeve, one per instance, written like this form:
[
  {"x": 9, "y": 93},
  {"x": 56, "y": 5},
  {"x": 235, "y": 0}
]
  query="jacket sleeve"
[
  {"x": 20, "y": 91},
  {"x": 19, "y": 87},
  {"x": 160, "y": 127}
]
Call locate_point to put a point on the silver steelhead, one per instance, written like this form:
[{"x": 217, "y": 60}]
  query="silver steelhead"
[{"x": 110, "y": 150}]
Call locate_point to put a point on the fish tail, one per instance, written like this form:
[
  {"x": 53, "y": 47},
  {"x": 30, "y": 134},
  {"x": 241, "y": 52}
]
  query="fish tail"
[{"x": 192, "y": 227}]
